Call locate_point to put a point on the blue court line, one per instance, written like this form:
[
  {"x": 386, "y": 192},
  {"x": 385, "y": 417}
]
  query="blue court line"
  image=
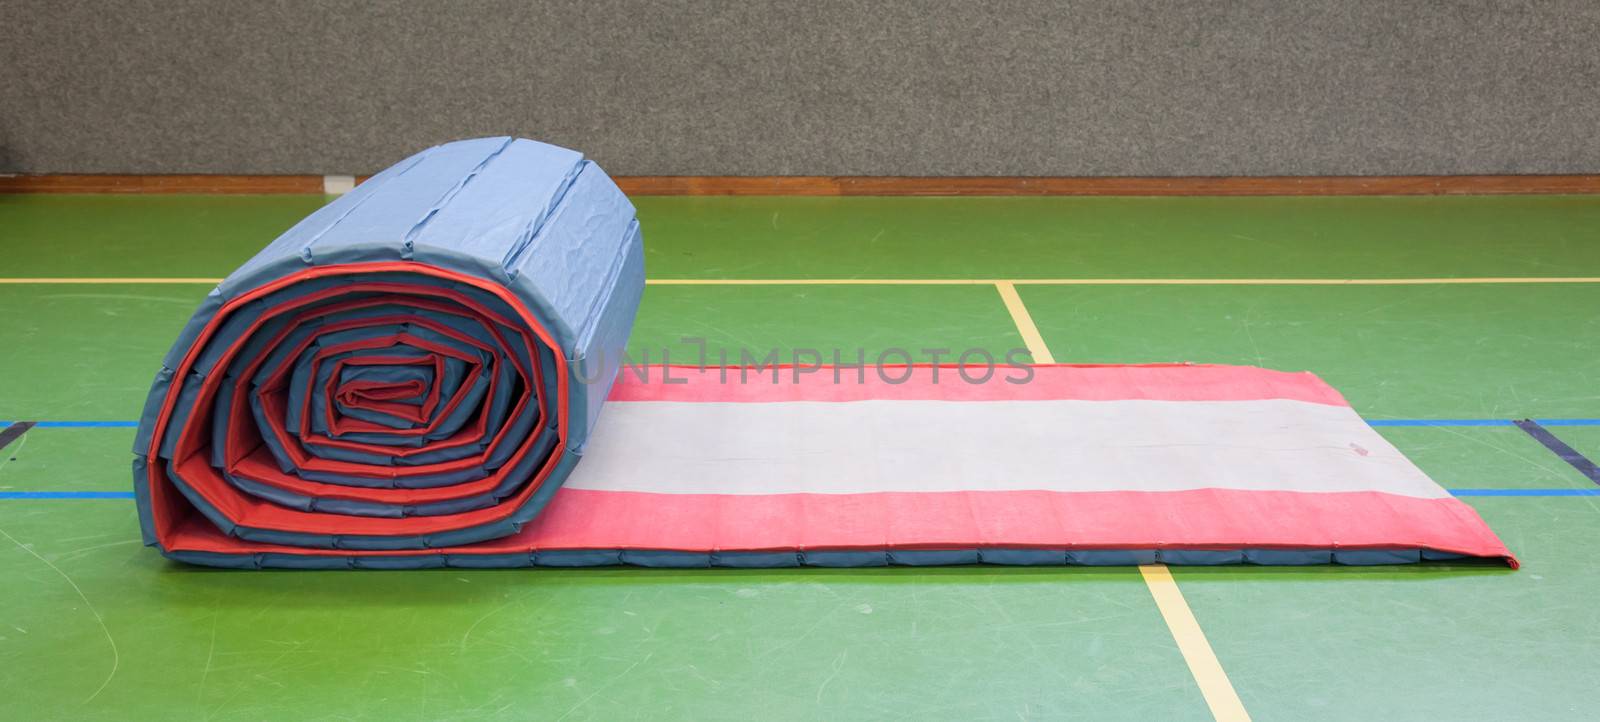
[
  {"x": 1562, "y": 449},
  {"x": 1454, "y": 492},
  {"x": 1370, "y": 422}
]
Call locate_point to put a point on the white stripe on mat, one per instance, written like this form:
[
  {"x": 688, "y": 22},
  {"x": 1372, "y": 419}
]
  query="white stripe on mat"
[{"x": 922, "y": 446}]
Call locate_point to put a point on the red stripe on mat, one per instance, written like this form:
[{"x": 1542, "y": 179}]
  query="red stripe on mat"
[
  {"x": 925, "y": 382},
  {"x": 1215, "y": 519}
]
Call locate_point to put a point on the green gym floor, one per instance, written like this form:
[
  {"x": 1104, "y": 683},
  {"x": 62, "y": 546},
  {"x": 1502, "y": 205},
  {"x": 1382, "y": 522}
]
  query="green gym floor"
[{"x": 92, "y": 624}]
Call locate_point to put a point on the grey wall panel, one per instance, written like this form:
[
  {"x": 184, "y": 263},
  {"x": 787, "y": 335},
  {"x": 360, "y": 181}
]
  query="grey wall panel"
[{"x": 1182, "y": 87}]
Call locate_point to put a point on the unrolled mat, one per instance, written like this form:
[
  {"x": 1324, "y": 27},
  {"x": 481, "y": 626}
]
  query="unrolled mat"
[{"x": 414, "y": 375}]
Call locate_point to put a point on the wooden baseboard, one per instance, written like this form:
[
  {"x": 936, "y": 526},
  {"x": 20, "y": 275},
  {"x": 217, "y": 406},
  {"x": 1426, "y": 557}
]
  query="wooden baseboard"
[
  {"x": 1185, "y": 186},
  {"x": 160, "y": 184},
  {"x": 884, "y": 185}
]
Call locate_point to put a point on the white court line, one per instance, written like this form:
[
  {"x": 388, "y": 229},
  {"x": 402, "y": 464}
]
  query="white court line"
[{"x": 1203, "y": 665}]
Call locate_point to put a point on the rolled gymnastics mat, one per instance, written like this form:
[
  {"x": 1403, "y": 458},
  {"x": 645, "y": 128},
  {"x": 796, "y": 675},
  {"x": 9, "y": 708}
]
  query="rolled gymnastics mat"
[
  {"x": 413, "y": 376},
  {"x": 401, "y": 369}
]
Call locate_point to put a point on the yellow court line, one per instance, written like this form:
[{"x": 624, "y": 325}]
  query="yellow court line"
[
  {"x": 969, "y": 281},
  {"x": 820, "y": 281},
  {"x": 1019, "y": 315},
  {"x": 1203, "y": 664},
  {"x": 1113, "y": 281},
  {"x": 1299, "y": 281}
]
